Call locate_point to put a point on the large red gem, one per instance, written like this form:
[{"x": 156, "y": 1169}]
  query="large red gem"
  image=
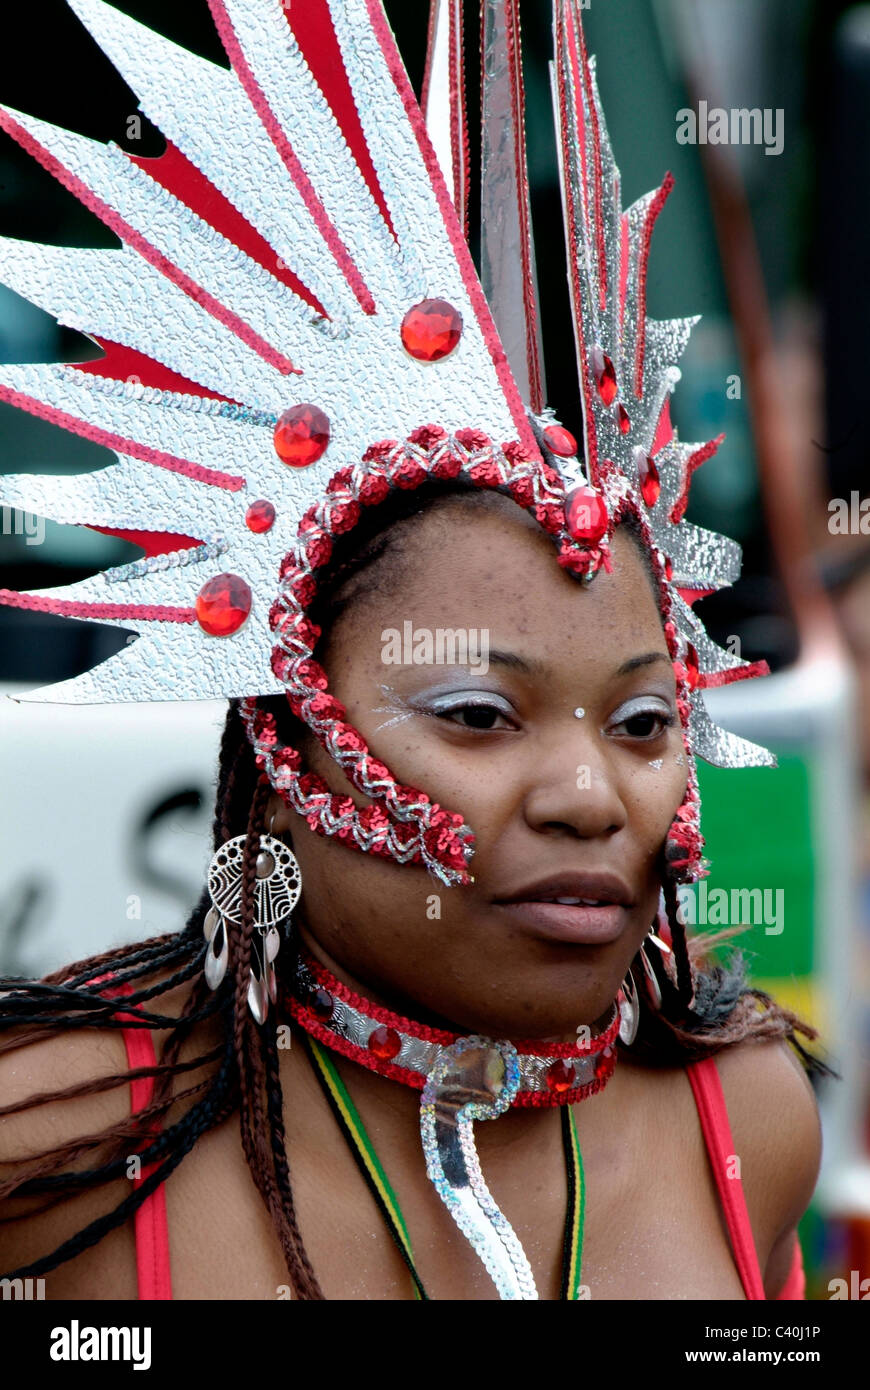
[
  {"x": 605, "y": 376},
  {"x": 223, "y": 604},
  {"x": 431, "y": 329},
  {"x": 260, "y": 516},
  {"x": 560, "y": 1076},
  {"x": 586, "y": 515},
  {"x": 650, "y": 483},
  {"x": 560, "y": 441},
  {"x": 384, "y": 1043},
  {"x": 622, "y": 419},
  {"x": 301, "y": 435}
]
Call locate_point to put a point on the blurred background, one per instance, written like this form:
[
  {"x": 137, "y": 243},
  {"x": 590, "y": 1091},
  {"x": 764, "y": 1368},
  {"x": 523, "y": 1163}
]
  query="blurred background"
[{"x": 105, "y": 813}]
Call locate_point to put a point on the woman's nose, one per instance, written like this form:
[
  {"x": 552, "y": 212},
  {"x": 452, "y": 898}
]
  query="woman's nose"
[{"x": 572, "y": 785}]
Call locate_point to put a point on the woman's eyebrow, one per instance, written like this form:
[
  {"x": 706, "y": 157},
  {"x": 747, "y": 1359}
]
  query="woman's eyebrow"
[
  {"x": 531, "y": 667},
  {"x": 527, "y": 665},
  {"x": 634, "y": 663}
]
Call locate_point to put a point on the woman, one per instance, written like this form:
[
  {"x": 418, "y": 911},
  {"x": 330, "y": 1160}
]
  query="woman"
[
  {"x": 503, "y": 748},
  {"x": 544, "y": 984}
]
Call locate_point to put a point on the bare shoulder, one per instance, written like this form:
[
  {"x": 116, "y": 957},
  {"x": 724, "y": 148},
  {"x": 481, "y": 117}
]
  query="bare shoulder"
[
  {"x": 58, "y": 1135},
  {"x": 61, "y": 1060},
  {"x": 777, "y": 1136}
]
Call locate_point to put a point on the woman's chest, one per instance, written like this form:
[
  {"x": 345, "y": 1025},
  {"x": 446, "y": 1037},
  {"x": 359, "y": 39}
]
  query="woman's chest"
[{"x": 651, "y": 1230}]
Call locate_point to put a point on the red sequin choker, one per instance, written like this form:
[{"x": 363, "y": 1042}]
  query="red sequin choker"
[{"x": 397, "y": 1047}]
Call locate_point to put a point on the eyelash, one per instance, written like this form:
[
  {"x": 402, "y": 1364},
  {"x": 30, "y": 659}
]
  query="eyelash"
[
  {"x": 448, "y": 713},
  {"x": 665, "y": 718}
]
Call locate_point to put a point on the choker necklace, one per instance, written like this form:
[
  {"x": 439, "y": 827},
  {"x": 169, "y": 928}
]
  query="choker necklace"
[{"x": 462, "y": 1078}]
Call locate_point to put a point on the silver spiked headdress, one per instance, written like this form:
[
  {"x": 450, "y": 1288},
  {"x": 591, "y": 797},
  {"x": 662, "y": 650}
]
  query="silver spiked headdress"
[{"x": 290, "y": 327}]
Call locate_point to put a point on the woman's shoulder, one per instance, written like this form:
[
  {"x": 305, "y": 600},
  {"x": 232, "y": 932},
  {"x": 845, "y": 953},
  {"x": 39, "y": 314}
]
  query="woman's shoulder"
[
  {"x": 773, "y": 1113},
  {"x": 774, "y": 1121},
  {"x": 68, "y": 1071}
]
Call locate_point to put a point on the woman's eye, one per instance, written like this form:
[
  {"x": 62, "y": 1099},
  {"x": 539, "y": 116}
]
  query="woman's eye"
[
  {"x": 476, "y": 716},
  {"x": 646, "y": 724}
]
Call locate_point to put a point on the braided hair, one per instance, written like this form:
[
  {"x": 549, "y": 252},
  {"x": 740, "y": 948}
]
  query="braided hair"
[{"x": 705, "y": 1006}]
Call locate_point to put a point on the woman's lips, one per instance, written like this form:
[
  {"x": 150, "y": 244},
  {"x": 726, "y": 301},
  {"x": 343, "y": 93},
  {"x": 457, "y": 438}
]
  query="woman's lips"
[{"x": 580, "y": 924}]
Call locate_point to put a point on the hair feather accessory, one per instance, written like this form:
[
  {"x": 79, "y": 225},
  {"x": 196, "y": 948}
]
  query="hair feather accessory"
[{"x": 289, "y": 329}]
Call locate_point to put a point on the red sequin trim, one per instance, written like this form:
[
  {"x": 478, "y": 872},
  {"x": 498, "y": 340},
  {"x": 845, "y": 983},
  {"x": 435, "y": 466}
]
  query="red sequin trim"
[{"x": 405, "y": 824}]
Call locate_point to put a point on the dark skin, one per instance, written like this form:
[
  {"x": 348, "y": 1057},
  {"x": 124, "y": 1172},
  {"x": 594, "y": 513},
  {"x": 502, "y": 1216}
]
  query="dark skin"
[{"x": 654, "y": 1228}]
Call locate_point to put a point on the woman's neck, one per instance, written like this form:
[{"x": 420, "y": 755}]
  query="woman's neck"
[{"x": 398, "y": 1002}]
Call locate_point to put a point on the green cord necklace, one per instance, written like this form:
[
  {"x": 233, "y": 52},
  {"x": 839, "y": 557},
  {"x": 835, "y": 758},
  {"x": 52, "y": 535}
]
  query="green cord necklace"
[{"x": 379, "y": 1185}]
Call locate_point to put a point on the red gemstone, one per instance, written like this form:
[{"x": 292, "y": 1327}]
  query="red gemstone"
[
  {"x": 692, "y": 668},
  {"x": 260, "y": 516},
  {"x": 622, "y": 419},
  {"x": 384, "y": 1043},
  {"x": 560, "y": 441},
  {"x": 431, "y": 330},
  {"x": 321, "y": 1004},
  {"x": 650, "y": 486},
  {"x": 603, "y": 1063},
  {"x": 586, "y": 515},
  {"x": 301, "y": 435},
  {"x": 669, "y": 569},
  {"x": 223, "y": 604},
  {"x": 560, "y": 1076},
  {"x": 605, "y": 376}
]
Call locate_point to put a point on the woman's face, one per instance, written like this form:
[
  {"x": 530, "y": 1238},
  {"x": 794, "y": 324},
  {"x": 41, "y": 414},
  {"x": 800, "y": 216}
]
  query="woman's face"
[{"x": 561, "y": 805}]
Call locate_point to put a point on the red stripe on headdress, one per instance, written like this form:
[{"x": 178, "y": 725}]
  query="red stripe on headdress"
[
  {"x": 179, "y": 176},
  {"x": 289, "y": 158},
  {"x": 312, "y": 26}
]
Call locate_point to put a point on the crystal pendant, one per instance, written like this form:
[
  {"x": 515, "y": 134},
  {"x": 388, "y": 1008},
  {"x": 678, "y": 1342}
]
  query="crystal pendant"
[
  {"x": 586, "y": 515},
  {"x": 560, "y": 441},
  {"x": 384, "y": 1043},
  {"x": 431, "y": 330},
  {"x": 560, "y": 1076},
  {"x": 321, "y": 1004},
  {"x": 301, "y": 435},
  {"x": 605, "y": 375},
  {"x": 260, "y": 516},
  {"x": 223, "y": 605}
]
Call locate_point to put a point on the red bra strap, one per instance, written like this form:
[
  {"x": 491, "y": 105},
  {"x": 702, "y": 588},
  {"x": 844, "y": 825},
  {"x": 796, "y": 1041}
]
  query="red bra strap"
[
  {"x": 150, "y": 1224},
  {"x": 710, "y": 1100}
]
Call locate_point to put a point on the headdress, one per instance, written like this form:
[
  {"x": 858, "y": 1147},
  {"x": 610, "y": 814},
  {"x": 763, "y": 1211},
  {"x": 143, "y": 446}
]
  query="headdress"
[{"x": 290, "y": 327}]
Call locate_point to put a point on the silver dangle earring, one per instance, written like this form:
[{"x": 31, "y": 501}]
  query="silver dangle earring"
[
  {"x": 277, "y": 891},
  {"x": 629, "y": 1010},
  {"x": 653, "y": 988}
]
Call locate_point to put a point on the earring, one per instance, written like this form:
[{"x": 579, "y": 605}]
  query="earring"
[
  {"x": 629, "y": 1012},
  {"x": 653, "y": 988},
  {"x": 277, "y": 891}
]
